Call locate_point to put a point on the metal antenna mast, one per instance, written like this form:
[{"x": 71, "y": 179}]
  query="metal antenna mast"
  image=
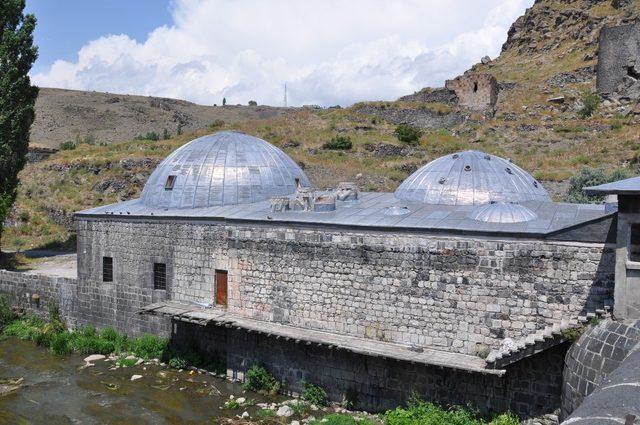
[{"x": 285, "y": 95}]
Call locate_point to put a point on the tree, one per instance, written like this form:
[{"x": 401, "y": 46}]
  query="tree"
[
  {"x": 592, "y": 177},
  {"x": 17, "y": 97},
  {"x": 224, "y": 101},
  {"x": 253, "y": 103}
]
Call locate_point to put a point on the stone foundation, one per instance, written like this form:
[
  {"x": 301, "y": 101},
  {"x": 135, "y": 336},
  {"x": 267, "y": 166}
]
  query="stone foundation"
[{"x": 530, "y": 387}]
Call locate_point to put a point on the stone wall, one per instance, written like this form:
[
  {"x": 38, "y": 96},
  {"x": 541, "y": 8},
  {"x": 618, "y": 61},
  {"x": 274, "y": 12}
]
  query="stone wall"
[
  {"x": 478, "y": 92},
  {"x": 456, "y": 294},
  {"x": 530, "y": 387},
  {"x": 618, "y": 56},
  {"x": 597, "y": 353},
  {"x": 34, "y": 293}
]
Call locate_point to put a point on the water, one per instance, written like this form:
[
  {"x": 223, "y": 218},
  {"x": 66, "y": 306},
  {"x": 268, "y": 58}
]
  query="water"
[{"x": 57, "y": 390}]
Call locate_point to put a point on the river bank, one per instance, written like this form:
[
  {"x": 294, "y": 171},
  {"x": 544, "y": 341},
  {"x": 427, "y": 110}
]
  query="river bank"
[{"x": 49, "y": 374}]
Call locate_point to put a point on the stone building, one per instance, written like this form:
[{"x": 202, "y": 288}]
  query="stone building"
[
  {"x": 618, "y": 68},
  {"x": 458, "y": 286},
  {"x": 478, "y": 92}
]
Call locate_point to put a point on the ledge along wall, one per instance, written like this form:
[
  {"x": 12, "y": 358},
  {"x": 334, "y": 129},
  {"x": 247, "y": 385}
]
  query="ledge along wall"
[{"x": 531, "y": 387}]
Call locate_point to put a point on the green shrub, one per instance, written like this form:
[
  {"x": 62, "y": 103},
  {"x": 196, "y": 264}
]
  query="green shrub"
[
  {"x": 591, "y": 177},
  {"x": 419, "y": 412},
  {"x": 216, "y": 124},
  {"x": 339, "y": 143},
  {"x": 151, "y": 135},
  {"x": 341, "y": 419},
  {"x": 266, "y": 413},
  {"x": 61, "y": 344},
  {"x": 149, "y": 346},
  {"x": 178, "y": 362},
  {"x": 7, "y": 315},
  {"x": 260, "y": 380},
  {"x": 408, "y": 134},
  {"x": 165, "y": 134},
  {"x": 590, "y": 101},
  {"x": 123, "y": 361},
  {"x": 253, "y": 103},
  {"x": 232, "y": 404},
  {"x": 25, "y": 329},
  {"x": 67, "y": 146},
  {"x": 314, "y": 394}
]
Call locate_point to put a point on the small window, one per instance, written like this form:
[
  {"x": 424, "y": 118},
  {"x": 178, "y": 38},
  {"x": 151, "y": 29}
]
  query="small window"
[
  {"x": 160, "y": 276},
  {"x": 171, "y": 180},
  {"x": 634, "y": 242},
  {"x": 107, "y": 269},
  {"x": 221, "y": 287}
]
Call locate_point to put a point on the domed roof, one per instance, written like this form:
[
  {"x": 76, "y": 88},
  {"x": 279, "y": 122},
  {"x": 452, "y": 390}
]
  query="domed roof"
[
  {"x": 224, "y": 168},
  {"x": 501, "y": 212},
  {"x": 471, "y": 178}
]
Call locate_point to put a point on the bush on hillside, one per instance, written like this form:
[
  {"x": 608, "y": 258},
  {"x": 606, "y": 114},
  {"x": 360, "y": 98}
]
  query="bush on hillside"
[
  {"x": 590, "y": 102},
  {"x": 408, "y": 134},
  {"x": 588, "y": 176},
  {"x": 339, "y": 143}
]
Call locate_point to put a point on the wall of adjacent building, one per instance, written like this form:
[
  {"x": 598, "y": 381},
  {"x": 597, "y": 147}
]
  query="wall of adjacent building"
[{"x": 454, "y": 293}]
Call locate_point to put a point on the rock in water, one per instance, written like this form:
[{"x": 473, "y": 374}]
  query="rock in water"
[
  {"x": 136, "y": 377},
  {"x": 94, "y": 357},
  {"x": 284, "y": 411}
]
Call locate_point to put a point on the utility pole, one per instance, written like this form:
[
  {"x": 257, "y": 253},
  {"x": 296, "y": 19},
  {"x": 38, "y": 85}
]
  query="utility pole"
[{"x": 285, "y": 95}]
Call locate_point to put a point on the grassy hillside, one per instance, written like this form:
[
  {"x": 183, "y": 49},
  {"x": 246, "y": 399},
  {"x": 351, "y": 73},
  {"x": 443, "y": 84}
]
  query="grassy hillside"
[{"x": 551, "y": 52}]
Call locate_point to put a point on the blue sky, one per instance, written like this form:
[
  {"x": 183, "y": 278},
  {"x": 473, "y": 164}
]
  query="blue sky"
[
  {"x": 328, "y": 52},
  {"x": 64, "y": 26}
]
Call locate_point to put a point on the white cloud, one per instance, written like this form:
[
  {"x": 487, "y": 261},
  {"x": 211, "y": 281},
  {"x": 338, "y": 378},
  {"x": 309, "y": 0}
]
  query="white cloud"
[{"x": 328, "y": 51}]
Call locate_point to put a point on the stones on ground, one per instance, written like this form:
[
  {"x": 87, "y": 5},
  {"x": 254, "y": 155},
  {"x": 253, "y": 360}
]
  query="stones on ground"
[
  {"x": 284, "y": 411},
  {"x": 94, "y": 357},
  {"x": 245, "y": 415},
  {"x": 295, "y": 422},
  {"x": 556, "y": 99},
  {"x": 485, "y": 60},
  {"x": 136, "y": 377}
]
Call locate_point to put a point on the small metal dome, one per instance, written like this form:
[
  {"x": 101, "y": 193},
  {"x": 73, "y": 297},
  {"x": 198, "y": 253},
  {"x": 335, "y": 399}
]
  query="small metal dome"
[
  {"x": 501, "y": 212},
  {"x": 224, "y": 168},
  {"x": 471, "y": 178}
]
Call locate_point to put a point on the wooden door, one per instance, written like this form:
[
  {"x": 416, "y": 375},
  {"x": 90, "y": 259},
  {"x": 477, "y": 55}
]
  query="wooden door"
[{"x": 221, "y": 287}]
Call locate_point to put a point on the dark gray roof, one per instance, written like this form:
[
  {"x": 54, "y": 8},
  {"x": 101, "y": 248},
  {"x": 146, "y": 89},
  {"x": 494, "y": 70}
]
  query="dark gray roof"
[
  {"x": 372, "y": 210},
  {"x": 471, "y": 178},
  {"x": 621, "y": 187},
  {"x": 225, "y": 168}
]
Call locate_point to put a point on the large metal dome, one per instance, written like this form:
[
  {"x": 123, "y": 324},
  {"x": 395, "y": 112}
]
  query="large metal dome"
[
  {"x": 471, "y": 178},
  {"x": 224, "y": 168}
]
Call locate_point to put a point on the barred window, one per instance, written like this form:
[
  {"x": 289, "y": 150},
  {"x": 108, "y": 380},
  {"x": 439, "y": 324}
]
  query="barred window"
[
  {"x": 160, "y": 276},
  {"x": 107, "y": 269}
]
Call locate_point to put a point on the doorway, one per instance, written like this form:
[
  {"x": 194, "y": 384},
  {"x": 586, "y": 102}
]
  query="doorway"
[{"x": 221, "y": 287}]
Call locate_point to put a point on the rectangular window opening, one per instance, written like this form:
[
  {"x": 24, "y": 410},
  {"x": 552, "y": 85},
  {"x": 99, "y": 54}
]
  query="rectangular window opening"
[
  {"x": 634, "y": 242},
  {"x": 221, "y": 287},
  {"x": 171, "y": 180},
  {"x": 107, "y": 269},
  {"x": 160, "y": 276}
]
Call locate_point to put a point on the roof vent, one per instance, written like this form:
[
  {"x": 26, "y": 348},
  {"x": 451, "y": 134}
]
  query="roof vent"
[
  {"x": 508, "y": 170},
  {"x": 442, "y": 180},
  {"x": 501, "y": 212},
  {"x": 487, "y": 157},
  {"x": 396, "y": 210},
  {"x": 467, "y": 168},
  {"x": 456, "y": 156},
  {"x": 324, "y": 203}
]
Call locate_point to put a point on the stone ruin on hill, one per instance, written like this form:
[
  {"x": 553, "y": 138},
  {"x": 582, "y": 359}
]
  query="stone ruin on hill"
[
  {"x": 618, "y": 71},
  {"x": 478, "y": 92}
]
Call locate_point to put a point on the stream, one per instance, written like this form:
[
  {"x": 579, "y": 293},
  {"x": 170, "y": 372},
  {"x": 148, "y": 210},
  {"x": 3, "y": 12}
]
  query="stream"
[{"x": 58, "y": 390}]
